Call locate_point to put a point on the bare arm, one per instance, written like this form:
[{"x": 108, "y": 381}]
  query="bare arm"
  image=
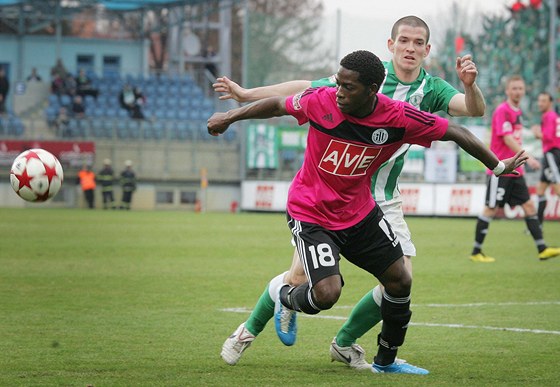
[
  {"x": 476, "y": 148},
  {"x": 471, "y": 103},
  {"x": 514, "y": 146},
  {"x": 265, "y": 108},
  {"x": 232, "y": 90}
]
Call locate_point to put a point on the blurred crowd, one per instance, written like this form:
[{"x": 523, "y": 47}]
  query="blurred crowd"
[{"x": 517, "y": 43}]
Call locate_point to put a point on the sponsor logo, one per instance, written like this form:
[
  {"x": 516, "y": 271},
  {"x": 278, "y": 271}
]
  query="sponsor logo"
[
  {"x": 410, "y": 198},
  {"x": 265, "y": 196},
  {"x": 380, "y": 136},
  {"x": 328, "y": 117},
  {"x": 460, "y": 203},
  {"x": 345, "y": 159}
]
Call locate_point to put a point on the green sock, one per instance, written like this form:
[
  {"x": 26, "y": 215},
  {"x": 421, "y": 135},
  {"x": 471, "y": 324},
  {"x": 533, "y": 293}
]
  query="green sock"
[
  {"x": 263, "y": 311},
  {"x": 364, "y": 316}
]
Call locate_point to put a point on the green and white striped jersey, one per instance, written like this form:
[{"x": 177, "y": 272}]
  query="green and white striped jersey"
[{"x": 426, "y": 93}]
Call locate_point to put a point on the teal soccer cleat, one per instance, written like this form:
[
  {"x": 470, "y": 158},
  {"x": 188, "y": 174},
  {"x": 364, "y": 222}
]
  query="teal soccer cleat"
[
  {"x": 285, "y": 323},
  {"x": 399, "y": 367}
]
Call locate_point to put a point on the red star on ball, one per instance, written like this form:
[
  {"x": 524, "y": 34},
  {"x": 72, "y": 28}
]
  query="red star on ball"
[
  {"x": 50, "y": 172},
  {"x": 31, "y": 155},
  {"x": 24, "y": 180}
]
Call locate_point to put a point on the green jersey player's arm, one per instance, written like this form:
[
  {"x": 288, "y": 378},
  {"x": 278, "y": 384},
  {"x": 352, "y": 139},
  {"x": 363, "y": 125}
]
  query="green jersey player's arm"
[
  {"x": 232, "y": 90},
  {"x": 472, "y": 102}
]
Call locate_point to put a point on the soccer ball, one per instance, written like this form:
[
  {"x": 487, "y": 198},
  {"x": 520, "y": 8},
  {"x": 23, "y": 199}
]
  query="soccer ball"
[{"x": 36, "y": 175}]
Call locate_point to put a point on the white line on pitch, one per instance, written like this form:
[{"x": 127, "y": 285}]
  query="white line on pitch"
[
  {"x": 463, "y": 326},
  {"x": 471, "y": 305}
]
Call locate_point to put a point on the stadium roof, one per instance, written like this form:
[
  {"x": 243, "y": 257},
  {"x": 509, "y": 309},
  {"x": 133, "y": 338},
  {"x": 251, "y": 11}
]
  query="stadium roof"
[{"x": 113, "y": 5}]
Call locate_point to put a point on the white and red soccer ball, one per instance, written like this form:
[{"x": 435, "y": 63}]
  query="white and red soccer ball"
[{"x": 36, "y": 175}]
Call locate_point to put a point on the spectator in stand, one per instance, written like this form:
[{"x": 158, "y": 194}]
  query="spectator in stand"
[
  {"x": 140, "y": 99},
  {"x": 132, "y": 100},
  {"x": 70, "y": 85},
  {"x": 86, "y": 178},
  {"x": 58, "y": 69},
  {"x": 84, "y": 86},
  {"x": 61, "y": 122},
  {"x": 78, "y": 108},
  {"x": 34, "y": 77},
  {"x": 58, "y": 87},
  {"x": 4, "y": 90}
]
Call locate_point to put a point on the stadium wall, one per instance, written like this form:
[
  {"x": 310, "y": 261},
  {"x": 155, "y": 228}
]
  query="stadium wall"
[
  {"x": 41, "y": 52},
  {"x": 455, "y": 200}
]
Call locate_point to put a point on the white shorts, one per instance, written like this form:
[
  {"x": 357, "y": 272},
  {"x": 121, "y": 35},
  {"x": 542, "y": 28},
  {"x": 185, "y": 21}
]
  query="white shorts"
[{"x": 394, "y": 214}]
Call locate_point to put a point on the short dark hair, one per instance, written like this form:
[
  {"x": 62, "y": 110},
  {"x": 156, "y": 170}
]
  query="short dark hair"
[
  {"x": 367, "y": 64},
  {"x": 548, "y": 95},
  {"x": 412, "y": 21}
]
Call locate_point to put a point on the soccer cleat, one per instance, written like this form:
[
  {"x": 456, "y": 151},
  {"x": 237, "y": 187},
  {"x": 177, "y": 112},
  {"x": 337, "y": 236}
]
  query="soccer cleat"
[
  {"x": 399, "y": 367},
  {"x": 549, "y": 252},
  {"x": 285, "y": 323},
  {"x": 480, "y": 257},
  {"x": 352, "y": 356},
  {"x": 236, "y": 344}
]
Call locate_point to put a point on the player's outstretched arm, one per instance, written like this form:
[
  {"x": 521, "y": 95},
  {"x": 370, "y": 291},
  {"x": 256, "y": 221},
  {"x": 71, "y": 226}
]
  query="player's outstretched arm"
[
  {"x": 232, "y": 90},
  {"x": 218, "y": 123},
  {"x": 471, "y": 103},
  {"x": 476, "y": 148}
]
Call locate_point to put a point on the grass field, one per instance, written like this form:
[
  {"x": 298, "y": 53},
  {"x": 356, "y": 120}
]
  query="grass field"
[{"x": 140, "y": 298}]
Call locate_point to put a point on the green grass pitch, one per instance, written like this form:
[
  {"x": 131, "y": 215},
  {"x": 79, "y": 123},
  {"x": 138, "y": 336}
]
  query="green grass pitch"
[{"x": 112, "y": 298}]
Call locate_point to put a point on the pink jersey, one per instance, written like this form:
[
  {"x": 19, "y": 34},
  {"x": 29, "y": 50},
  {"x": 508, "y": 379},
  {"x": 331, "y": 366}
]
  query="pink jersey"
[
  {"x": 332, "y": 188},
  {"x": 550, "y": 127},
  {"x": 505, "y": 120}
]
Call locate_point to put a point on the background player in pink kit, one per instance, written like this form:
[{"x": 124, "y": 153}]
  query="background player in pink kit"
[
  {"x": 511, "y": 189},
  {"x": 330, "y": 210},
  {"x": 549, "y": 132}
]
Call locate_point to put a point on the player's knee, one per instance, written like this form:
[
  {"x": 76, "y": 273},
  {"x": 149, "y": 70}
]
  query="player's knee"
[
  {"x": 327, "y": 293},
  {"x": 401, "y": 286}
]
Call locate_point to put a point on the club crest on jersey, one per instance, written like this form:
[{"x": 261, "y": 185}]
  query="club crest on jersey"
[
  {"x": 295, "y": 101},
  {"x": 380, "y": 136},
  {"x": 345, "y": 159}
]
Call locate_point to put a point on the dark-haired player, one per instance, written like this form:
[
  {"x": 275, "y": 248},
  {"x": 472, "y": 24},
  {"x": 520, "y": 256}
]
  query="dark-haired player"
[
  {"x": 511, "y": 189},
  {"x": 549, "y": 133},
  {"x": 330, "y": 209},
  {"x": 405, "y": 80}
]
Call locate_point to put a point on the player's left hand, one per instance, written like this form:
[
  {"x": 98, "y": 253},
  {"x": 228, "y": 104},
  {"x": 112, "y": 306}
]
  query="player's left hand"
[
  {"x": 514, "y": 162},
  {"x": 217, "y": 124},
  {"x": 466, "y": 70}
]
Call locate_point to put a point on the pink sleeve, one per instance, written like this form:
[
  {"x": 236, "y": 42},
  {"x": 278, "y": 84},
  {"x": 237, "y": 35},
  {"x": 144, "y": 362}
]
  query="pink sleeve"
[
  {"x": 423, "y": 128},
  {"x": 502, "y": 125},
  {"x": 297, "y": 105}
]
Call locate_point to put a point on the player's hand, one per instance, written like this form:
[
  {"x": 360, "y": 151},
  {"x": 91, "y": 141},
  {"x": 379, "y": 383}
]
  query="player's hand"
[
  {"x": 217, "y": 124},
  {"x": 536, "y": 129},
  {"x": 229, "y": 89},
  {"x": 534, "y": 163},
  {"x": 466, "y": 70},
  {"x": 514, "y": 162}
]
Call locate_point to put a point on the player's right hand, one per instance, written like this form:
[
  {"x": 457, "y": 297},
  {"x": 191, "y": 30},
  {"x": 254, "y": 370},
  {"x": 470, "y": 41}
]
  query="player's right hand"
[{"x": 229, "y": 89}]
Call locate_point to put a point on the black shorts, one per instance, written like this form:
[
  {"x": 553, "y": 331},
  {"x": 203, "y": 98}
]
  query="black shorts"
[
  {"x": 506, "y": 189},
  {"x": 551, "y": 167},
  {"x": 371, "y": 245}
]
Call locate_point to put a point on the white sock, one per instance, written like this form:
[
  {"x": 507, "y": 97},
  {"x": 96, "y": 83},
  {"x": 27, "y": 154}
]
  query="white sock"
[
  {"x": 275, "y": 284},
  {"x": 377, "y": 295}
]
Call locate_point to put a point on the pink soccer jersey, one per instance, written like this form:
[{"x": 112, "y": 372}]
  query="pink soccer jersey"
[
  {"x": 506, "y": 120},
  {"x": 332, "y": 188},
  {"x": 550, "y": 127}
]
